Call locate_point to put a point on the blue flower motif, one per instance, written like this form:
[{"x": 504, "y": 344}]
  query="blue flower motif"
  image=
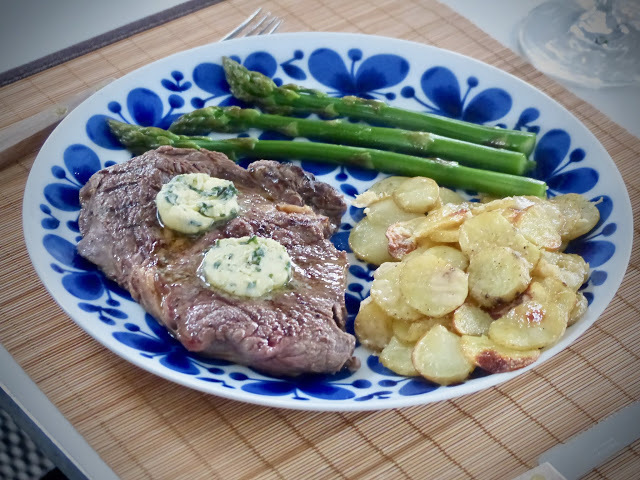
[
  {"x": 292, "y": 70},
  {"x": 550, "y": 154},
  {"x": 210, "y": 77},
  {"x": 145, "y": 108},
  {"x": 325, "y": 387},
  {"x": 160, "y": 344},
  {"x": 441, "y": 87},
  {"x": 176, "y": 85},
  {"x": 374, "y": 73},
  {"x": 81, "y": 162}
]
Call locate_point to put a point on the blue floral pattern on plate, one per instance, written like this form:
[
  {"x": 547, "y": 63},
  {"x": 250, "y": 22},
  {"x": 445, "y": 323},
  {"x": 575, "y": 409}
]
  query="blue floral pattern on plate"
[{"x": 339, "y": 65}]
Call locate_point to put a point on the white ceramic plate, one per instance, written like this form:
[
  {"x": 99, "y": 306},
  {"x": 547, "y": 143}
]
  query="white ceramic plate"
[{"x": 405, "y": 74}]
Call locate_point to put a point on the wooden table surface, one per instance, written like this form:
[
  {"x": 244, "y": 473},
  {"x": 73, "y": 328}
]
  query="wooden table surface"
[{"x": 146, "y": 427}]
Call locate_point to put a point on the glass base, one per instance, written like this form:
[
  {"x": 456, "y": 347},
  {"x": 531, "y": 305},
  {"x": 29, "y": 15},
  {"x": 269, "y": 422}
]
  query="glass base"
[{"x": 588, "y": 43}]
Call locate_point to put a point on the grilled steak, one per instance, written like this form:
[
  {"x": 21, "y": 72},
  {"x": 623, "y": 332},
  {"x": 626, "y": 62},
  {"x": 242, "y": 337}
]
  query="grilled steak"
[{"x": 290, "y": 331}]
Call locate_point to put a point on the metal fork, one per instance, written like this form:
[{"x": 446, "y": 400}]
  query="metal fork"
[{"x": 264, "y": 25}]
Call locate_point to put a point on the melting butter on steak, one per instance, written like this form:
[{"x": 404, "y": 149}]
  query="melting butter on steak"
[{"x": 297, "y": 329}]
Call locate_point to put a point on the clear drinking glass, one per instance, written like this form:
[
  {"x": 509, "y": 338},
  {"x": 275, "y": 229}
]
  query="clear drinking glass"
[{"x": 590, "y": 43}]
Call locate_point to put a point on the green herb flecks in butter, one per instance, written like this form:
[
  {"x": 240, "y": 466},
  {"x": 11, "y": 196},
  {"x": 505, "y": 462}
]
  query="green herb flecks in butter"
[
  {"x": 193, "y": 202},
  {"x": 246, "y": 266}
]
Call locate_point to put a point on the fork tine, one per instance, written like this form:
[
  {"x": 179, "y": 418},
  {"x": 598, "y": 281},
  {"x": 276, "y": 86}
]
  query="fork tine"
[
  {"x": 267, "y": 26},
  {"x": 253, "y": 28},
  {"x": 233, "y": 33},
  {"x": 275, "y": 27}
]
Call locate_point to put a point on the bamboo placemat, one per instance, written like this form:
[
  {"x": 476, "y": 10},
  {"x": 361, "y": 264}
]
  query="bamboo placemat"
[{"x": 146, "y": 427}]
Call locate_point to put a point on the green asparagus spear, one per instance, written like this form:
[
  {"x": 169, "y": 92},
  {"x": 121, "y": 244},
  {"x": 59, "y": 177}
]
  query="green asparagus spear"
[
  {"x": 256, "y": 88},
  {"x": 235, "y": 119},
  {"x": 140, "y": 139}
]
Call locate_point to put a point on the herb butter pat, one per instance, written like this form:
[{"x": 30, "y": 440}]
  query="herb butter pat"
[
  {"x": 191, "y": 203},
  {"x": 246, "y": 266}
]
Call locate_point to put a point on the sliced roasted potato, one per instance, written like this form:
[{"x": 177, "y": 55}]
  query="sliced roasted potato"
[
  {"x": 471, "y": 320},
  {"x": 504, "y": 205},
  {"x": 373, "y": 326},
  {"x": 494, "y": 358},
  {"x": 449, "y": 235},
  {"x": 411, "y": 332},
  {"x": 541, "y": 224},
  {"x": 386, "y": 292},
  {"x": 433, "y": 286},
  {"x": 378, "y": 191},
  {"x": 450, "y": 255},
  {"x": 450, "y": 196},
  {"x": 401, "y": 237},
  {"x": 396, "y": 356},
  {"x": 537, "y": 322},
  {"x": 443, "y": 218},
  {"x": 387, "y": 212},
  {"x": 438, "y": 357},
  {"x": 491, "y": 229},
  {"x": 417, "y": 195},
  {"x": 497, "y": 275},
  {"x": 369, "y": 243},
  {"x": 580, "y": 215},
  {"x": 579, "y": 309},
  {"x": 569, "y": 268}
]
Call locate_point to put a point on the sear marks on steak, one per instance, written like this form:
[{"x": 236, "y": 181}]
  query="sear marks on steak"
[{"x": 294, "y": 330}]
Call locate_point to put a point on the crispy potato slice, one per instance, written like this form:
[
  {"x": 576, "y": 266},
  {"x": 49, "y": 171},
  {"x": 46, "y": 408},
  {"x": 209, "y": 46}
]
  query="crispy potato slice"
[
  {"x": 379, "y": 191},
  {"x": 417, "y": 195},
  {"x": 566, "y": 267},
  {"x": 450, "y": 196},
  {"x": 538, "y": 321},
  {"x": 580, "y": 215},
  {"x": 579, "y": 309},
  {"x": 503, "y": 205},
  {"x": 385, "y": 291},
  {"x": 387, "y": 212},
  {"x": 491, "y": 229},
  {"x": 443, "y": 218},
  {"x": 494, "y": 358},
  {"x": 372, "y": 325},
  {"x": 541, "y": 224},
  {"x": 497, "y": 275},
  {"x": 401, "y": 239},
  {"x": 469, "y": 319},
  {"x": 433, "y": 286},
  {"x": 396, "y": 356},
  {"x": 411, "y": 332},
  {"x": 369, "y": 243},
  {"x": 438, "y": 357},
  {"x": 450, "y": 255}
]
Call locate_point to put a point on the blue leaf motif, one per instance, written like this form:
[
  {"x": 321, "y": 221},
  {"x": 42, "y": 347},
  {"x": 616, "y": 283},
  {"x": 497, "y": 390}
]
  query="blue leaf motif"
[
  {"x": 145, "y": 106},
  {"x": 417, "y": 387},
  {"x": 363, "y": 174},
  {"x": 595, "y": 252},
  {"x": 65, "y": 252},
  {"x": 63, "y": 197},
  {"x": 550, "y": 151},
  {"x": 86, "y": 286},
  {"x": 579, "y": 180},
  {"x": 373, "y": 362},
  {"x": 262, "y": 62},
  {"x": 341, "y": 241},
  {"x": 158, "y": 330},
  {"x": 326, "y": 391},
  {"x": 381, "y": 71},
  {"x": 140, "y": 342},
  {"x": 98, "y": 131},
  {"x": 294, "y": 71},
  {"x": 349, "y": 189},
  {"x": 180, "y": 363},
  {"x": 328, "y": 68},
  {"x": 115, "y": 313},
  {"x": 269, "y": 388},
  {"x": 487, "y": 106},
  {"x": 81, "y": 161},
  {"x": 441, "y": 86},
  {"x": 605, "y": 207},
  {"x": 210, "y": 78}
]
